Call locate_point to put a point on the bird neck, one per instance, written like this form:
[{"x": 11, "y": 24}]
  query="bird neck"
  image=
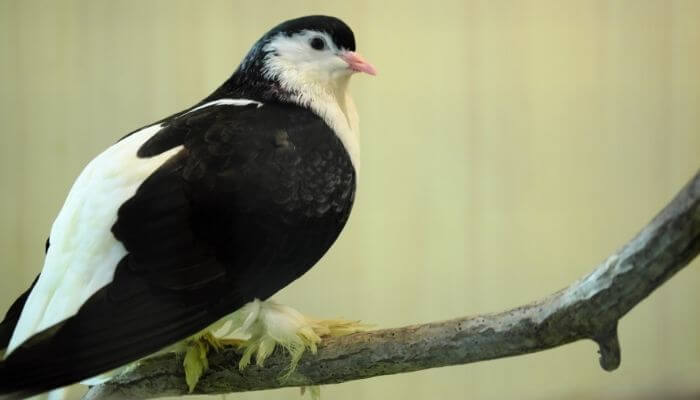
[{"x": 244, "y": 84}]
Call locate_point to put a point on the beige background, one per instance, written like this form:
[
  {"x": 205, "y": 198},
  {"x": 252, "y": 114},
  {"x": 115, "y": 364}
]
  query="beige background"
[{"x": 508, "y": 146}]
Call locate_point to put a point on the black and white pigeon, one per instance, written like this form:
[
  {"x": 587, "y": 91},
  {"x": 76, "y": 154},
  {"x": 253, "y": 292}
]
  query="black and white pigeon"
[{"x": 200, "y": 215}]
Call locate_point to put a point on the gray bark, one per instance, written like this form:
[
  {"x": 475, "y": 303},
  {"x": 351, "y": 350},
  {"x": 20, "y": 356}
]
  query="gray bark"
[{"x": 588, "y": 309}]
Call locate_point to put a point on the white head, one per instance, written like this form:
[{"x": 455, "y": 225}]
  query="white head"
[
  {"x": 302, "y": 57},
  {"x": 308, "y": 61},
  {"x": 311, "y": 63}
]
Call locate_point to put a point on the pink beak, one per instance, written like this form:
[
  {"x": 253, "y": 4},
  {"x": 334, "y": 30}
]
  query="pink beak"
[{"x": 357, "y": 63}]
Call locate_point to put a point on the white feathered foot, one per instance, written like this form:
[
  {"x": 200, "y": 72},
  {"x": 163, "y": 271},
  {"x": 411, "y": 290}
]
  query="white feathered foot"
[{"x": 256, "y": 329}]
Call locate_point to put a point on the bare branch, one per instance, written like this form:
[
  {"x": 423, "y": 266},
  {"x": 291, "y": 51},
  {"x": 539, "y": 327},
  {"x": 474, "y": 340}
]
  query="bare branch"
[{"x": 588, "y": 309}]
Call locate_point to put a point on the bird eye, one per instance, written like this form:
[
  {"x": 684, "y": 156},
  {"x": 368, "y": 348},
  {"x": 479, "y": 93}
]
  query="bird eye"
[{"x": 317, "y": 43}]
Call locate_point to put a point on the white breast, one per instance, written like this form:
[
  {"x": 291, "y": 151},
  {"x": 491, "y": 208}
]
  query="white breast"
[
  {"x": 339, "y": 112},
  {"x": 83, "y": 253}
]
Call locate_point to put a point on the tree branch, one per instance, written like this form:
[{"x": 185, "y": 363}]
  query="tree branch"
[{"x": 588, "y": 309}]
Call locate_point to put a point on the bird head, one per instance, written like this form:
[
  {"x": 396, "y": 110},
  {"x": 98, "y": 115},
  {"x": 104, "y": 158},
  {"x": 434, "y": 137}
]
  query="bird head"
[{"x": 307, "y": 56}]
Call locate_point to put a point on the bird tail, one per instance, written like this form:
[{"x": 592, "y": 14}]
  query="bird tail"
[
  {"x": 6, "y": 390},
  {"x": 9, "y": 390}
]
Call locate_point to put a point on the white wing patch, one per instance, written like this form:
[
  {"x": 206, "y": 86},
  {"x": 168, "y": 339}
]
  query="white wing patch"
[
  {"x": 230, "y": 102},
  {"x": 83, "y": 253}
]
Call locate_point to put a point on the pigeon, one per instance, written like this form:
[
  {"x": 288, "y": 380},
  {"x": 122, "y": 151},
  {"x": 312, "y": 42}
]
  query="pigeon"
[{"x": 187, "y": 226}]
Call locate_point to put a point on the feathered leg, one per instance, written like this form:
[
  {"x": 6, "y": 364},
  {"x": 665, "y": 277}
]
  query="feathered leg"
[{"x": 256, "y": 329}]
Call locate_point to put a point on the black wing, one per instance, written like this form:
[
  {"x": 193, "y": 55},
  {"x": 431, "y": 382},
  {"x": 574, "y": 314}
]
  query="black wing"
[
  {"x": 7, "y": 326},
  {"x": 254, "y": 199}
]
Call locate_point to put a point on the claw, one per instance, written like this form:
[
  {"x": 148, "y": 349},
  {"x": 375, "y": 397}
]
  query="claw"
[{"x": 339, "y": 327}]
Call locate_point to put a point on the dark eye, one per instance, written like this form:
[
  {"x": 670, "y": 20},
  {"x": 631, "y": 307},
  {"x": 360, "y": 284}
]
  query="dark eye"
[{"x": 317, "y": 43}]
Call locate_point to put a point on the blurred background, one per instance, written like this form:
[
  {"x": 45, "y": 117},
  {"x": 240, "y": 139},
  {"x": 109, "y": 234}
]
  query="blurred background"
[{"x": 507, "y": 148}]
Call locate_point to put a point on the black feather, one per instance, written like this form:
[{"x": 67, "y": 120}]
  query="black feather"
[
  {"x": 7, "y": 326},
  {"x": 253, "y": 199}
]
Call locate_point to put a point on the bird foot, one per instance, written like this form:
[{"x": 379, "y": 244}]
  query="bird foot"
[
  {"x": 256, "y": 329},
  {"x": 196, "y": 361},
  {"x": 263, "y": 325}
]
